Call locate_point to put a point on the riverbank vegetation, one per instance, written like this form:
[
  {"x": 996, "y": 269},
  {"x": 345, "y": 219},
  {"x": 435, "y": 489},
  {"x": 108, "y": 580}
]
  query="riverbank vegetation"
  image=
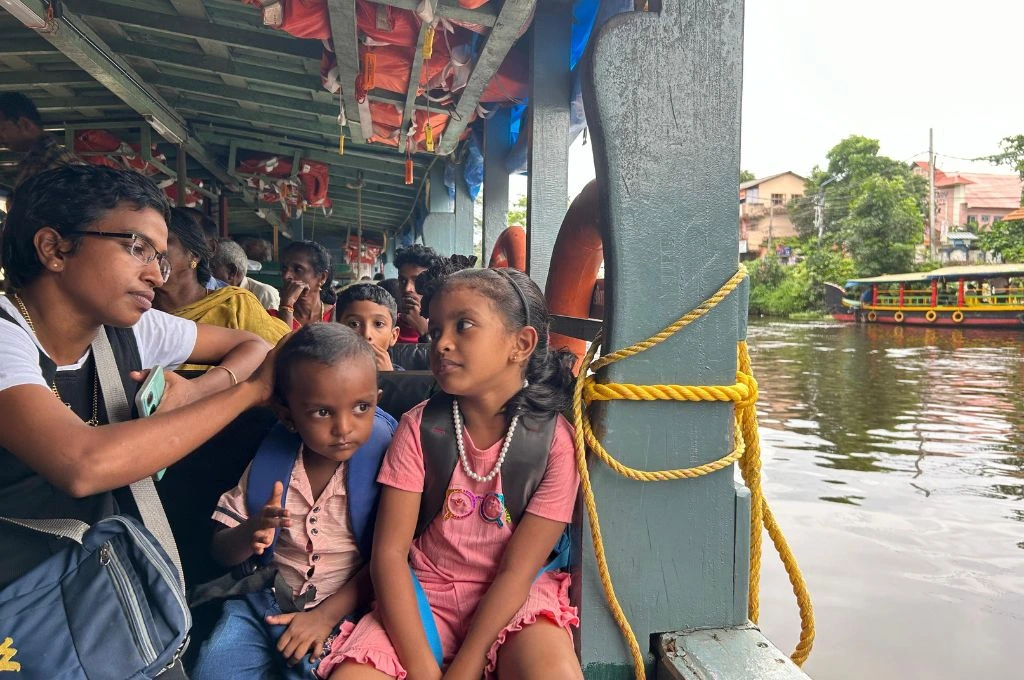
[{"x": 862, "y": 215}]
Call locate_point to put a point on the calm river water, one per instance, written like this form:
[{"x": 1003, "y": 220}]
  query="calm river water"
[{"x": 894, "y": 459}]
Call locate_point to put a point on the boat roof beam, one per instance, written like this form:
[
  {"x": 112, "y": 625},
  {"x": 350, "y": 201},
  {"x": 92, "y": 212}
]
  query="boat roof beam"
[
  {"x": 485, "y": 15},
  {"x": 493, "y": 50},
  {"x": 256, "y": 39},
  {"x": 346, "y": 52}
]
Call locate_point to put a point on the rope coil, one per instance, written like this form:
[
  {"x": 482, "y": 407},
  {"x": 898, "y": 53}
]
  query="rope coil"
[{"x": 746, "y": 451}]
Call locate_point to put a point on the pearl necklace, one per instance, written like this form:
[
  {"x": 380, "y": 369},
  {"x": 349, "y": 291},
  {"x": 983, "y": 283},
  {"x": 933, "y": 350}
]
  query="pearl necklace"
[{"x": 457, "y": 419}]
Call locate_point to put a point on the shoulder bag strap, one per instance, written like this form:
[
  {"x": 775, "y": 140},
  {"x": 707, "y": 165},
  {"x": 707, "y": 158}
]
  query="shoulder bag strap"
[{"x": 143, "y": 491}]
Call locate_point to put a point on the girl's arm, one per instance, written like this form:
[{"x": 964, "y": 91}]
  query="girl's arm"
[
  {"x": 396, "y": 599},
  {"x": 239, "y": 351},
  {"x": 81, "y": 460},
  {"x": 527, "y": 552}
]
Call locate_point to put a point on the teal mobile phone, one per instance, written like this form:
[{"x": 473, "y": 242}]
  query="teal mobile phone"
[{"x": 147, "y": 399}]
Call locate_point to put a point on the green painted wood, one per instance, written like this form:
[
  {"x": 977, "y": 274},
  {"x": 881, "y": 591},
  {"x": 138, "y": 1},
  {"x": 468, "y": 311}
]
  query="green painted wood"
[
  {"x": 439, "y": 225},
  {"x": 65, "y": 105},
  {"x": 415, "y": 74},
  {"x": 255, "y": 38},
  {"x": 24, "y": 47},
  {"x": 346, "y": 50},
  {"x": 723, "y": 654},
  {"x": 308, "y": 102},
  {"x": 16, "y": 80},
  {"x": 666, "y": 147},
  {"x": 496, "y": 147},
  {"x": 484, "y": 15},
  {"x": 493, "y": 50},
  {"x": 548, "y": 180},
  {"x": 462, "y": 237},
  {"x": 303, "y": 75}
]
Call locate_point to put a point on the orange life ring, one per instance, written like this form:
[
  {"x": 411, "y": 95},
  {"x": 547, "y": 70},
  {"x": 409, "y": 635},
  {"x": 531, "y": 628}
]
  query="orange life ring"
[
  {"x": 576, "y": 260},
  {"x": 872, "y": 316},
  {"x": 898, "y": 317},
  {"x": 510, "y": 249},
  {"x": 958, "y": 316},
  {"x": 930, "y": 315}
]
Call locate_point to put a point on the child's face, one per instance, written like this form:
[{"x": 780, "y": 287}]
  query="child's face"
[
  {"x": 372, "y": 321},
  {"x": 332, "y": 407},
  {"x": 471, "y": 351}
]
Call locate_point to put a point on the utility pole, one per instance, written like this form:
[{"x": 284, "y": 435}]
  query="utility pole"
[
  {"x": 819, "y": 207},
  {"x": 933, "y": 250},
  {"x": 771, "y": 224}
]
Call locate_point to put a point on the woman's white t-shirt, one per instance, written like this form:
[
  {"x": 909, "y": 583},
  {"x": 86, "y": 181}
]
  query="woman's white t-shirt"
[{"x": 163, "y": 340}]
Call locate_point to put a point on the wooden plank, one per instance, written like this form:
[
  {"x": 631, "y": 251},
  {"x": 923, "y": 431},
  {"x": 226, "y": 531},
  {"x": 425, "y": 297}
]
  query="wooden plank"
[
  {"x": 723, "y": 654},
  {"x": 258, "y": 39},
  {"x": 25, "y": 47},
  {"x": 496, "y": 147},
  {"x": 415, "y": 73},
  {"x": 548, "y": 180},
  {"x": 346, "y": 50},
  {"x": 494, "y": 49},
  {"x": 18, "y": 79},
  {"x": 485, "y": 15}
]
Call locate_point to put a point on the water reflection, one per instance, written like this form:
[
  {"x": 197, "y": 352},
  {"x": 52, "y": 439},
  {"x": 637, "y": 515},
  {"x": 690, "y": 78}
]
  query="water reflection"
[{"x": 926, "y": 553}]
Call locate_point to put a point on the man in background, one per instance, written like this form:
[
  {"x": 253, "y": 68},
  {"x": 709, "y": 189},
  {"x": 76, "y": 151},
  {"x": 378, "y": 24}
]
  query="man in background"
[{"x": 21, "y": 130}]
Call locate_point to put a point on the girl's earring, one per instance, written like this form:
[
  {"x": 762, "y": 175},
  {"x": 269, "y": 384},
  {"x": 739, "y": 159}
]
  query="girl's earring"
[
  {"x": 195, "y": 263},
  {"x": 290, "y": 426}
]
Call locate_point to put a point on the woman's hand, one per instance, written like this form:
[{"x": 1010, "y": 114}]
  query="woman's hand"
[
  {"x": 263, "y": 376},
  {"x": 292, "y": 291},
  {"x": 177, "y": 390},
  {"x": 305, "y": 634}
]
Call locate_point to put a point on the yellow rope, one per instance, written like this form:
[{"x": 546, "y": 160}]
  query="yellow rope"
[{"x": 746, "y": 450}]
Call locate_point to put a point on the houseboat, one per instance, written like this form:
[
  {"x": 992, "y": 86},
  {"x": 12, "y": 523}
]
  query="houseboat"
[{"x": 990, "y": 295}]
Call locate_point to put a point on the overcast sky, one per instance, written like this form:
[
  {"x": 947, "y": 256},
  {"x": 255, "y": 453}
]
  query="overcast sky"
[{"x": 816, "y": 71}]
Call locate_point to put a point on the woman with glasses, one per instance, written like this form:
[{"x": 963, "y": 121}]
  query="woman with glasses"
[
  {"x": 187, "y": 295},
  {"x": 84, "y": 249}
]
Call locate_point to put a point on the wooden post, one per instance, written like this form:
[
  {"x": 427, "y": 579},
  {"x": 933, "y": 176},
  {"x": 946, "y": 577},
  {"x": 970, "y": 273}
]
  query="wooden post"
[
  {"x": 222, "y": 214},
  {"x": 662, "y": 94},
  {"x": 439, "y": 225},
  {"x": 462, "y": 237},
  {"x": 496, "y": 147},
  {"x": 182, "y": 170},
  {"x": 550, "y": 87}
]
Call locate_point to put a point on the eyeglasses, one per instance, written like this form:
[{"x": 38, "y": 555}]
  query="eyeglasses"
[{"x": 141, "y": 248}]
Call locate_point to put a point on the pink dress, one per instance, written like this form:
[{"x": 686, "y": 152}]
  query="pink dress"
[{"x": 457, "y": 557}]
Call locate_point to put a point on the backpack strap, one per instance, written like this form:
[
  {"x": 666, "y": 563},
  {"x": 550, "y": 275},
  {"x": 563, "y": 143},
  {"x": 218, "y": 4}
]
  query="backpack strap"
[
  {"x": 524, "y": 468},
  {"x": 273, "y": 462},
  {"x": 361, "y": 481}
]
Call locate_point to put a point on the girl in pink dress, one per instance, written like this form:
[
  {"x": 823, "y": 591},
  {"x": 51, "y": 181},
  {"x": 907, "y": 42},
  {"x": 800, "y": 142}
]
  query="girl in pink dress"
[{"x": 495, "y": 616}]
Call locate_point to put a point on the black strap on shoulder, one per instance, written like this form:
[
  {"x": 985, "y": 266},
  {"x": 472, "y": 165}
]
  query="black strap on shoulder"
[
  {"x": 521, "y": 473},
  {"x": 126, "y": 352}
]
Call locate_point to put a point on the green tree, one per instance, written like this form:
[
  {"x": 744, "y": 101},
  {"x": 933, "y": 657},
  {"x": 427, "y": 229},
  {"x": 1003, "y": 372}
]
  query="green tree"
[
  {"x": 851, "y": 163},
  {"x": 747, "y": 176},
  {"x": 1004, "y": 238},
  {"x": 517, "y": 214},
  {"x": 882, "y": 225}
]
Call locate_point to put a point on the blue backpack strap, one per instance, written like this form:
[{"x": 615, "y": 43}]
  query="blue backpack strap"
[
  {"x": 361, "y": 481},
  {"x": 273, "y": 462},
  {"x": 427, "y": 619}
]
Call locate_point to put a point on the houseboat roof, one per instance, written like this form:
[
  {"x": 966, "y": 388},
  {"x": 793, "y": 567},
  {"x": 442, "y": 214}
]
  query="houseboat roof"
[{"x": 977, "y": 271}]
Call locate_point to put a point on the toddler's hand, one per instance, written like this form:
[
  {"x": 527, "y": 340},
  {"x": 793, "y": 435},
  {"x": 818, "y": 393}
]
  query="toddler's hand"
[
  {"x": 305, "y": 634},
  {"x": 271, "y": 518}
]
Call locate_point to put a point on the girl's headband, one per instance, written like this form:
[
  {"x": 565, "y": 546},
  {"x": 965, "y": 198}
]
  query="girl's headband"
[{"x": 519, "y": 292}]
